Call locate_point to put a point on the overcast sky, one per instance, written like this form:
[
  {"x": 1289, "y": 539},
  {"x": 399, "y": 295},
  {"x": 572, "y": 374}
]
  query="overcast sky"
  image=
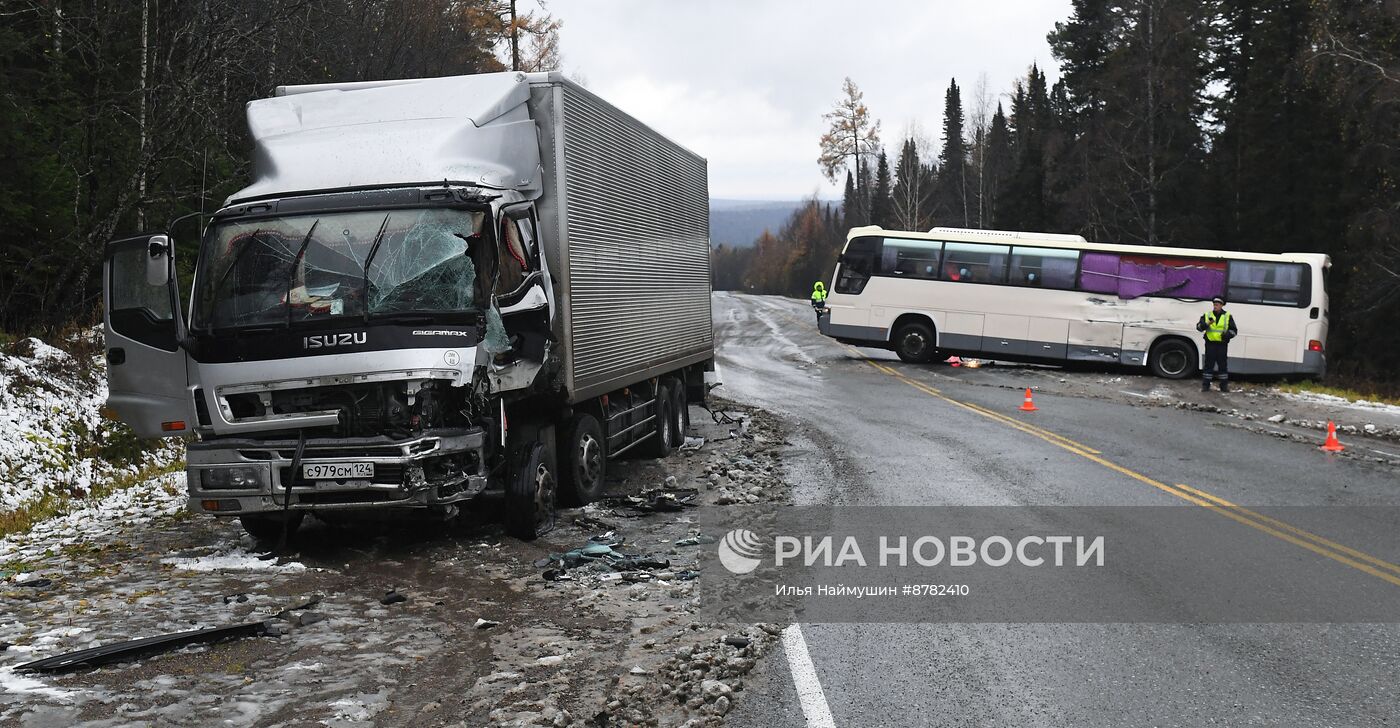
[{"x": 744, "y": 83}]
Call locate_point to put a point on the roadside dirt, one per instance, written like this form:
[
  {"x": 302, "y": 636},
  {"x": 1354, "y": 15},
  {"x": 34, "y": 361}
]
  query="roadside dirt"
[{"x": 491, "y": 630}]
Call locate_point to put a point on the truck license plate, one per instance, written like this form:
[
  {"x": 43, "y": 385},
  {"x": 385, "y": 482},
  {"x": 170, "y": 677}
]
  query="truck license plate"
[{"x": 337, "y": 471}]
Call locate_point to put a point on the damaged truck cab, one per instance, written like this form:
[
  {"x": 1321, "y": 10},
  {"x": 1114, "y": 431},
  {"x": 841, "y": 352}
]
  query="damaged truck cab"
[{"x": 432, "y": 290}]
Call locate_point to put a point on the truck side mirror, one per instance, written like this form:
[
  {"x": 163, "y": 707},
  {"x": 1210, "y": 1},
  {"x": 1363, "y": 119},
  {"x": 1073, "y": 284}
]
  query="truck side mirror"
[{"x": 158, "y": 260}]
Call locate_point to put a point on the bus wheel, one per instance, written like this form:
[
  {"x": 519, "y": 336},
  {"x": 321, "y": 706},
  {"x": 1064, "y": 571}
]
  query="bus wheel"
[
  {"x": 585, "y": 463},
  {"x": 663, "y": 437},
  {"x": 913, "y": 342},
  {"x": 1173, "y": 359},
  {"x": 530, "y": 495}
]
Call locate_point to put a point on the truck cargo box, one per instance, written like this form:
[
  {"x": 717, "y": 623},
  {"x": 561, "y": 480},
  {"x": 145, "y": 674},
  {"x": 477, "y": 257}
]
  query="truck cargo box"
[{"x": 632, "y": 267}]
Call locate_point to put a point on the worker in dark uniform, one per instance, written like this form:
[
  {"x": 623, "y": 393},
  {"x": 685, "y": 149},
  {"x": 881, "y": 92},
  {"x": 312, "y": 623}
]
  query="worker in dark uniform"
[
  {"x": 819, "y": 299},
  {"x": 1219, "y": 327}
]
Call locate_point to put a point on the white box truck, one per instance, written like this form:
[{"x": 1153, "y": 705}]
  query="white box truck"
[{"x": 432, "y": 289}]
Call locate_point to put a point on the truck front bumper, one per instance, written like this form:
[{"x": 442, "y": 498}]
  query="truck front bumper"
[{"x": 230, "y": 477}]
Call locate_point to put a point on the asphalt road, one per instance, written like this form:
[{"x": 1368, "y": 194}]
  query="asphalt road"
[{"x": 876, "y": 431}]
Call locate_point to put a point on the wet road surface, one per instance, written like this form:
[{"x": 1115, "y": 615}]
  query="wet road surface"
[{"x": 882, "y": 432}]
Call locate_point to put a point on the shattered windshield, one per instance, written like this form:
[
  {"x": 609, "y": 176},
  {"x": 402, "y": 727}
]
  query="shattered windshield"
[{"x": 312, "y": 267}]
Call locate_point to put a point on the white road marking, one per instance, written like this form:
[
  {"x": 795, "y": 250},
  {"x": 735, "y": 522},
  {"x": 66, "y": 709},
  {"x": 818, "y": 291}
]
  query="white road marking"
[{"x": 804, "y": 677}]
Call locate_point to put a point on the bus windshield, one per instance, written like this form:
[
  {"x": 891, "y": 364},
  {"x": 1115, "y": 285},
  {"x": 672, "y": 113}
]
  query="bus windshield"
[{"x": 343, "y": 264}]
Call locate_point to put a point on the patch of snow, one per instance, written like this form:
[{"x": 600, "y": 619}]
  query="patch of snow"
[
  {"x": 359, "y": 708},
  {"x": 91, "y": 522},
  {"x": 11, "y": 682},
  {"x": 237, "y": 559},
  {"x": 51, "y": 431},
  {"x": 1335, "y": 401}
]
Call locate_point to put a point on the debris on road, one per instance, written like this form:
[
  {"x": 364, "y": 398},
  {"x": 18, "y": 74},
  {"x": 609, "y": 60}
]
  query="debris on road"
[
  {"x": 392, "y": 597},
  {"x": 656, "y": 500},
  {"x": 486, "y": 623},
  {"x": 144, "y": 647}
]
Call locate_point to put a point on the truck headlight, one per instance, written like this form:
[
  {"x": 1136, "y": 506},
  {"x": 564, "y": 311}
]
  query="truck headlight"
[{"x": 232, "y": 478}]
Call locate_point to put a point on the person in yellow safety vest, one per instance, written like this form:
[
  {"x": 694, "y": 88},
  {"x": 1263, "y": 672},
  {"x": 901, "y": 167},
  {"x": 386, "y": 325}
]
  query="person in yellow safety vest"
[
  {"x": 1219, "y": 327},
  {"x": 819, "y": 299}
]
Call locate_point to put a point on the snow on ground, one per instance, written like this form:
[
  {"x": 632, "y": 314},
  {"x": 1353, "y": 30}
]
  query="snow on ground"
[
  {"x": 52, "y": 438},
  {"x": 236, "y": 559},
  {"x": 1335, "y": 401},
  {"x": 97, "y": 521}
]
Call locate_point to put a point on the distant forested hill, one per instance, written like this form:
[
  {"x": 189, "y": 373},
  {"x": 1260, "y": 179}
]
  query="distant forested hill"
[{"x": 737, "y": 223}]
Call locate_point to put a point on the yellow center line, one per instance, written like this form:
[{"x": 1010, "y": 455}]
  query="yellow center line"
[
  {"x": 1382, "y": 563},
  {"x": 1312, "y": 542}
]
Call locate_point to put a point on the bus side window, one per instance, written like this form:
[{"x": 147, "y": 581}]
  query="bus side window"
[
  {"x": 1276, "y": 284},
  {"x": 1043, "y": 267},
  {"x": 976, "y": 262}
]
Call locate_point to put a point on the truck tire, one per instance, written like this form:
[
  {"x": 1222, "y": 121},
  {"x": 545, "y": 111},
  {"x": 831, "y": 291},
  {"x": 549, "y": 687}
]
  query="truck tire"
[
  {"x": 584, "y": 468},
  {"x": 914, "y": 342},
  {"x": 529, "y": 502},
  {"x": 1172, "y": 359},
  {"x": 681, "y": 411},
  {"x": 267, "y": 527},
  {"x": 663, "y": 437}
]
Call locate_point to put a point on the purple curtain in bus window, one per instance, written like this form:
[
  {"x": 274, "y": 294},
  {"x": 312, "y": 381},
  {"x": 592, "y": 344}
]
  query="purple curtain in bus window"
[
  {"x": 1099, "y": 273},
  {"x": 1167, "y": 277},
  {"x": 1197, "y": 281}
]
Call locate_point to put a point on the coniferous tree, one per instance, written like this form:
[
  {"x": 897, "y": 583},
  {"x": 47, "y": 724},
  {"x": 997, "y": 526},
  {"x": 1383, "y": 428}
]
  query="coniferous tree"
[
  {"x": 851, "y": 205},
  {"x": 1134, "y": 79},
  {"x": 1023, "y": 204},
  {"x": 950, "y": 197},
  {"x": 881, "y": 205},
  {"x": 997, "y": 168}
]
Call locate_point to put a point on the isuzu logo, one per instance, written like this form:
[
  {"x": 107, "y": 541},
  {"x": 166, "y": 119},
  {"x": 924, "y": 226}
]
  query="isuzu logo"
[{"x": 326, "y": 341}]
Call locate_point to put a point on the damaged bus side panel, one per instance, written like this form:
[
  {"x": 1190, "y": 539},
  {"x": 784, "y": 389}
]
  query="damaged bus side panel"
[{"x": 431, "y": 290}]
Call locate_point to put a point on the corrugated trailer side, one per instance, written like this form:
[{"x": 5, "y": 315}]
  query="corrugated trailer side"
[{"x": 626, "y": 221}]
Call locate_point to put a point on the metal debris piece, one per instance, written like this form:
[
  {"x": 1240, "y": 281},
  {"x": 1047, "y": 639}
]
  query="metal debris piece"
[
  {"x": 144, "y": 647},
  {"x": 657, "y": 500},
  {"x": 308, "y": 604}
]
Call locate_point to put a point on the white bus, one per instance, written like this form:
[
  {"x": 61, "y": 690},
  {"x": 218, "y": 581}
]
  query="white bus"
[{"x": 1049, "y": 298}]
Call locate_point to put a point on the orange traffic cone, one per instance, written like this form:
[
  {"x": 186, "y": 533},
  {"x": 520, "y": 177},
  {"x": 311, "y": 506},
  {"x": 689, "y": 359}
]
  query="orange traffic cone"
[
  {"x": 1332, "y": 445},
  {"x": 1028, "y": 405}
]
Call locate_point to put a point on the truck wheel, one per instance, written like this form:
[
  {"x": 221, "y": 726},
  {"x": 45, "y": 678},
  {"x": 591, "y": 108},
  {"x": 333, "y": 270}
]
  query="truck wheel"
[
  {"x": 663, "y": 438},
  {"x": 582, "y": 474},
  {"x": 267, "y": 527},
  {"x": 681, "y": 410},
  {"x": 914, "y": 343},
  {"x": 1172, "y": 359},
  {"x": 530, "y": 495}
]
